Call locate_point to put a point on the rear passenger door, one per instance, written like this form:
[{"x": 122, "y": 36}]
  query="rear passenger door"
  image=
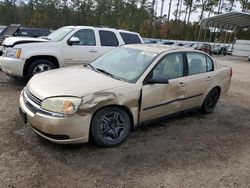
[
  {"x": 200, "y": 76},
  {"x": 108, "y": 40},
  {"x": 85, "y": 51}
]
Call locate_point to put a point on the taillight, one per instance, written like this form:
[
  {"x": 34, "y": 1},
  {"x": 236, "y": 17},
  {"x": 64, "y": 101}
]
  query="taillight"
[{"x": 231, "y": 72}]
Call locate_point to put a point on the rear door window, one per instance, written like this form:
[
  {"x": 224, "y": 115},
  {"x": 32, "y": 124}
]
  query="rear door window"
[
  {"x": 108, "y": 38},
  {"x": 130, "y": 38},
  {"x": 199, "y": 63}
]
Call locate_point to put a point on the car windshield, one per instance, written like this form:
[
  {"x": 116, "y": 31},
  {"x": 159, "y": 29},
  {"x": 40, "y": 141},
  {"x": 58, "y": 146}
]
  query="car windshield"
[
  {"x": 59, "y": 34},
  {"x": 124, "y": 63}
]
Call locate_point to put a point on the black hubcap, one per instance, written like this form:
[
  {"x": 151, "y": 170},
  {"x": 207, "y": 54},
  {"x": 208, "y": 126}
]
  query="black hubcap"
[{"x": 112, "y": 126}]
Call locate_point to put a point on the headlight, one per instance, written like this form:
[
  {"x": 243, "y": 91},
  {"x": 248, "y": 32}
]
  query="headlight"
[
  {"x": 13, "y": 52},
  {"x": 62, "y": 105}
]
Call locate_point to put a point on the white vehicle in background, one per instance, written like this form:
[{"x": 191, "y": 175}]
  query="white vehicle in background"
[
  {"x": 67, "y": 46},
  {"x": 2, "y": 27}
]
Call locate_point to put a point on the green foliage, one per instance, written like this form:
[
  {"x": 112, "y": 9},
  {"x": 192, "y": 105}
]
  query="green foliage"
[{"x": 135, "y": 15}]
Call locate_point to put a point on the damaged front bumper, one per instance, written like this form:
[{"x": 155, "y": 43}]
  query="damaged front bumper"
[{"x": 61, "y": 130}]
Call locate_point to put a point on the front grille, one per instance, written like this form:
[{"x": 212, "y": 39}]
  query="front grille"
[{"x": 33, "y": 97}]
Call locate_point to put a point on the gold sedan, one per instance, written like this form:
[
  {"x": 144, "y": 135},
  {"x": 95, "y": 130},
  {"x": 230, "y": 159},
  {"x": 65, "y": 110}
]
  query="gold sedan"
[{"x": 120, "y": 90}]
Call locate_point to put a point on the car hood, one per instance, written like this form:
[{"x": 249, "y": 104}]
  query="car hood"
[
  {"x": 72, "y": 81},
  {"x": 12, "y": 41}
]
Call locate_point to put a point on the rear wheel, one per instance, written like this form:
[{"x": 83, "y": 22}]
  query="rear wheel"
[
  {"x": 110, "y": 126},
  {"x": 38, "y": 66},
  {"x": 211, "y": 101}
]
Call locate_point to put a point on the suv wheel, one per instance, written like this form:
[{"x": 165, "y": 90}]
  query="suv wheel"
[
  {"x": 110, "y": 126},
  {"x": 39, "y": 66}
]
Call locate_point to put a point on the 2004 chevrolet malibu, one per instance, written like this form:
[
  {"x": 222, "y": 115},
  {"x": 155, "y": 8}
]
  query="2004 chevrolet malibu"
[{"x": 123, "y": 88}]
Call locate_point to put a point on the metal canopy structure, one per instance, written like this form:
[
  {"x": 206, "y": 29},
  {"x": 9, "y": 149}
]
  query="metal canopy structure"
[
  {"x": 228, "y": 21},
  {"x": 223, "y": 28}
]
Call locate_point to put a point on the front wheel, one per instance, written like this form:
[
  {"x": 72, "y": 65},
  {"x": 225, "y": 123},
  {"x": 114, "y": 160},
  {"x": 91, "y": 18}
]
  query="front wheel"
[
  {"x": 210, "y": 101},
  {"x": 38, "y": 66},
  {"x": 110, "y": 126}
]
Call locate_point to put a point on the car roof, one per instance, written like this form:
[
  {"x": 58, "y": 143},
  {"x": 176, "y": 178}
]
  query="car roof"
[
  {"x": 33, "y": 28},
  {"x": 105, "y": 28},
  {"x": 156, "y": 48}
]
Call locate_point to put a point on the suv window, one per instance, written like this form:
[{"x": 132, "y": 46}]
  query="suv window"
[
  {"x": 108, "y": 38},
  {"x": 130, "y": 38},
  {"x": 199, "y": 63},
  {"x": 86, "y": 36},
  {"x": 171, "y": 66}
]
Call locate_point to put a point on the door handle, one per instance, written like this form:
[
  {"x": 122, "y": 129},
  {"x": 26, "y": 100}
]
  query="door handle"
[
  {"x": 209, "y": 78},
  {"x": 93, "y": 50},
  {"x": 181, "y": 84}
]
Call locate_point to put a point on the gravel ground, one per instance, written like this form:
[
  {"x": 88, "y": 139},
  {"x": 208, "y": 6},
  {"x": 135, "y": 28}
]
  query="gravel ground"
[{"x": 191, "y": 150}]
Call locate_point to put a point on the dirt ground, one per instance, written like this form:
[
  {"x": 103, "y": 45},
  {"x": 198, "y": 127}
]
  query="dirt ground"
[{"x": 191, "y": 150}]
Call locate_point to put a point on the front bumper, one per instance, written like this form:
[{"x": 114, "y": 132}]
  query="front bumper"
[
  {"x": 12, "y": 66},
  {"x": 61, "y": 130}
]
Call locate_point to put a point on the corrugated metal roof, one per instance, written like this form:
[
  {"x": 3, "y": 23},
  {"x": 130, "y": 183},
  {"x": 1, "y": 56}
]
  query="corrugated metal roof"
[{"x": 228, "y": 21}]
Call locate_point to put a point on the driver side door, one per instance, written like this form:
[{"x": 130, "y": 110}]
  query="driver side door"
[{"x": 162, "y": 99}]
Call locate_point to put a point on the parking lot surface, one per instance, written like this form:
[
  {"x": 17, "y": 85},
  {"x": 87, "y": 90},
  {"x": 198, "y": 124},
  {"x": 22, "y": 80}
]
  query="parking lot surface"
[{"x": 190, "y": 150}]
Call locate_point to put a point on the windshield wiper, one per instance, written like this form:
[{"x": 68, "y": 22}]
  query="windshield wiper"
[
  {"x": 107, "y": 73},
  {"x": 89, "y": 65},
  {"x": 44, "y": 37}
]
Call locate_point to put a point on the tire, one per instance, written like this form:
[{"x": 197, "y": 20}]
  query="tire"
[
  {"x": 105, "y": 128},
  {"x": 210, "y": 101},
  {"x": 38, "y": 66}
]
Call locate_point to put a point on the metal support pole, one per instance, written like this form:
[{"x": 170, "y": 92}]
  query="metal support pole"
[
  {"x": 210, "y": 36},
  {"x": 216, "y": 34},
  {"x": 199, "y": 36},
  {"x": 205, "y": 35},
  {"x": 226, "y": 35},
  {"x": 221, "y": 32},
  {"x": 234, "y": 39}
]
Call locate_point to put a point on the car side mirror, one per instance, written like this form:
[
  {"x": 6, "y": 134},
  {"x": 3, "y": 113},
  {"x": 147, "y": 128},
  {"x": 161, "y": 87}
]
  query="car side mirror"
[
  {"x": 73, "y": 40},
  {"x": 158, "y": 79}
]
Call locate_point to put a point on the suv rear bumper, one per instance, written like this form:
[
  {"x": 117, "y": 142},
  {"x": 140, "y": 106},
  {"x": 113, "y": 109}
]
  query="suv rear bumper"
[{"x": 11, "y": 66}]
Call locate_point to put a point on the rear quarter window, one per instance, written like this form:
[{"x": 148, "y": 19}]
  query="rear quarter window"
[{"x": 130, "y": 38}]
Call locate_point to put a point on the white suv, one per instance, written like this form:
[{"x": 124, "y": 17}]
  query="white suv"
[{"x": 67, "y": 46}]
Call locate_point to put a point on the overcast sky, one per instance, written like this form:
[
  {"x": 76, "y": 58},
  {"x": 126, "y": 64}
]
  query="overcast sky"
[{"x": 194, "y": 16}]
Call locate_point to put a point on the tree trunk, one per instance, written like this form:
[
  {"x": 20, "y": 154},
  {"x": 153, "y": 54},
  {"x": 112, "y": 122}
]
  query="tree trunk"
[
  {"x": 180, "y": 10},
  {"x": 177, "y": 9},
  {"x": 231, "y": 6},
  {"x": 202, "y": 11},
  {"x": 189, "y": 12},
  {"x": 219, "y": 7},
  {"x": 169, "y": 9},
  {"x": 162, "y": 6},
  {"x": 185, "y": 17}
]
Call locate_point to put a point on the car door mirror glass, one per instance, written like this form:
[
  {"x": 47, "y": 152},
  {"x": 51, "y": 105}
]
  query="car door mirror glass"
[{"x": 73, "y": 40}]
